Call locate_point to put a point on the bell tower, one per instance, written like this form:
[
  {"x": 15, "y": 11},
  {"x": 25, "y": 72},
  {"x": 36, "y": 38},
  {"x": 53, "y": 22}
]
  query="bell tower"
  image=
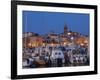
[{"x": 65, "y": 29}]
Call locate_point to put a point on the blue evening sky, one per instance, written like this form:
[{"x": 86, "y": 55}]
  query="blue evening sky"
[{"x": 45, "y": 22}]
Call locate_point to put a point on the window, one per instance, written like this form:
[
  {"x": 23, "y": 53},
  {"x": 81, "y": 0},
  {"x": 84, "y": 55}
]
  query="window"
[
  {"x": 55, "y": 53},
  {"x": 59, "y": 53}
]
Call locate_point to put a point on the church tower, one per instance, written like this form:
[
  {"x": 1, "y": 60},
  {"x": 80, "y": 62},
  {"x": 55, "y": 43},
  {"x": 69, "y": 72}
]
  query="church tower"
[{"x": 65, "y": 29}]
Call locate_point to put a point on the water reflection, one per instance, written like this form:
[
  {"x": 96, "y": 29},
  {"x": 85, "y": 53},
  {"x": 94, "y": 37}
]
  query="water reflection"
[{"x": 56, "y": 65}]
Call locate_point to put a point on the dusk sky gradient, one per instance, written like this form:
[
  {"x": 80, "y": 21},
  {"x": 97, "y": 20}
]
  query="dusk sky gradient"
[{"x": 45, "y": 22}]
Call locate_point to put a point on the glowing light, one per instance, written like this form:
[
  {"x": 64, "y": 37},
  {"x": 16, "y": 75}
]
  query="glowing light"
[
  {"x": 52, "y": 44},
  {"x": 29, "y": 44},
  {"x": 82, "y": 44},
  {"x": 72, "y": 38},
  {"x": 65, "y": 43},
  {"x": 69, "y": 33},
  {"x": 34, "y": 45},
  {"x": 43, "y": 44},
  {"x": 85, "y": 41}
]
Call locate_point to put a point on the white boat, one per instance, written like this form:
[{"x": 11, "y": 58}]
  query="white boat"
[{"x": 56, "y": 53}]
